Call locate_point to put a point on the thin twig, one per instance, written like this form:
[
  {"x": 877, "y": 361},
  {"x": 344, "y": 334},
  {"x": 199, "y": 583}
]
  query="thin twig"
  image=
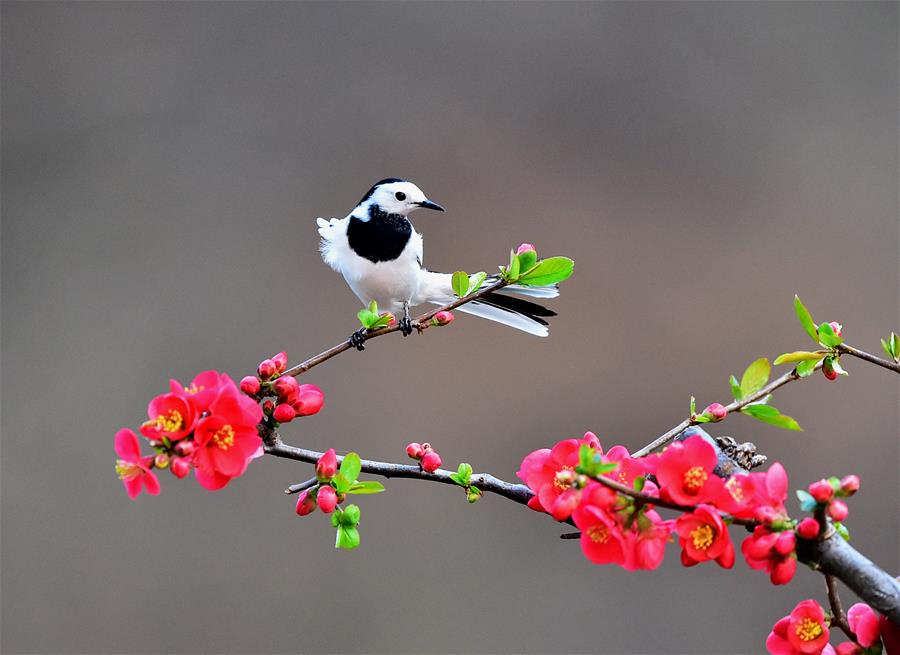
[
  {"x": 302, "y": 486},
  {"x": 421, "y": 323},
  {"x": 862, "y": 354},
  {"x": 840, "y": 619}
]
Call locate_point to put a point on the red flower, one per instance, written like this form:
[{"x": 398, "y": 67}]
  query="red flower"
[
  {"x": 769, "y": 550},
  {"x": 171, "y": 416},
  {"x": 737, "y": 496},
  {"x": 549, "y": 473},
  {"x": 770, "y": 492},
  {"x": 647, "y": 544},
  {"x": 629, "y": 467},
  {"x": 685, "y": 472},
  {"x": 804, "y": 632},
  {"x": 865, "y": 624},
  {"x": 202, "y": 390},
  {"x": 307, "y": 400},
  {"x": 227, "y": 439},
  {"x": 704, "y": 536},
  {"x": 132, "y": 469},
  {"x": 602, "y": 539}
]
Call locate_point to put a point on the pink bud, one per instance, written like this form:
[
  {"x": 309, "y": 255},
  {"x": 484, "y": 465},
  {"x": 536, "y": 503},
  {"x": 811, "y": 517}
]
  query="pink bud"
[
  {"x": 829, "y": 373},
  {"x": 850, "y": 484},
  {"x": 250, "y": 385},
  {"x": 837, "y": 510},
  {"x": 716, "y": 412},
  {"x": 266, "y": 369},
  {"x": 525, "y": 247},
  {"x": 849, "y": 648},
  {"x": 431, "y": 462},
  {"x": 822, "y": 491},
  {"x": 783, "y": 572},
  {"x": 442, "y": 318},
  {"x": 280, "y": 361},
  {"x": 327, "y": 499},
  {"x": 284, "y": 413},
  {"x": 268, "y": 407},
  {"x": 391, "y": 318},
  {"x": 285, "y": 386},
  {"x": 808, "y": 528},
  {"x": 837, "y": 327},
  {"x": 185, "y": 448},
  {"x": 181, "y": 466},
  {"x": 414, "y": 450},
  {"x": 308, "y": 400},
  {"x": 765, "y": 515},
  {"x": 786, "y": 543},
  {"x": 161, "y": 461},
  {"x": 326, "y": 467},
  {"x": 306, "y": 504}
]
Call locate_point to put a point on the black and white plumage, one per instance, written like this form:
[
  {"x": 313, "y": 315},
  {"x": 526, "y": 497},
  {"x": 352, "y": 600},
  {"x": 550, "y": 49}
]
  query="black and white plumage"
[{"x": 379, "y": 253}]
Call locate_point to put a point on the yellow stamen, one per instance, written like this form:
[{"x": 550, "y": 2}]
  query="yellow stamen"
[
  {"x": 734, "y": 488},
  {"x": 127, "y": 470},
  {"x": 808, "y": 629},
  {"x": 695, "y": 478},
  {"x": 224, "y": 437},
  {"x": 563, "y": 479},
  {"x": 193, "y": 389},
  {"x": 599, "y": 534},
  {"x": 702, "y": 536},
  {"x": 170, "y": 422}
]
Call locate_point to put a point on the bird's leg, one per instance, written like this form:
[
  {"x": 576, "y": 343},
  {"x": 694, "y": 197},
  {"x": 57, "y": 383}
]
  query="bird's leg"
[
  {"x": 358, "y": 338},
  {"x": 406, "y": 326}
]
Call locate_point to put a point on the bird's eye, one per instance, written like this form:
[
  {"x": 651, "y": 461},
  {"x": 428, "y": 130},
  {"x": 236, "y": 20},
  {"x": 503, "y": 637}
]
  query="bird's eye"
[{"x": 400, "y": 195}]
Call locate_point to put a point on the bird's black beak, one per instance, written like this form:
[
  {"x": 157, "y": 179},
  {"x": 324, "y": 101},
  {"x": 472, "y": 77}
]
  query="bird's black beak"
[{"x": 427, "y": 204}]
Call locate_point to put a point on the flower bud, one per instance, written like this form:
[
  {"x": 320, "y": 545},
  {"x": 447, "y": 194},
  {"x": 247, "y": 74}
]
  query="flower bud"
[
  {"x": 161, "y": 461},
  {"x": 785, "y": 543},
  {"x": 250, "y": 385},
  {"x": 414, "y": 450},
  {"x": 765, "y": 515},
  {"x": 716, "y": 412},
  {"x": 848, "y": 648},
  {"x": 181, "y": 466},
  {"x": 431, "y": 462},
  {"x": 326, "y": 499},
  {"x": 473, "y": 494},
  {"x": 268, "y": 407},
  {"x": 280, "y": 361},
  {"x": 391, "y": 318},
  {"x": 837, "y": 510},
  {"x": 327, "y": 466},
  {"x": 442, "y": 318},
  {"x": 837, "y": 327},
  {"x": 783, "y": 572},
  {"x": 850, "y": 484},
  {"x": 308, "y": 400},
  {"x": 266, "y": 369},
  {"x": 306, "y": 503},
  {"x": 284, "y": 413},
  {"x": 525, "y": 247},
  {"x": 822, "y": 491},
  {"x": 828, "y": 370},
  {"x": 185, "y": 448},
  {"x": 808, "y": 528},
  {"x": 285, "y": 386}
]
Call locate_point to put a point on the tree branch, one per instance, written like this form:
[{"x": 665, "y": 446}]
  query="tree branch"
[
  {"x": 862, "y": 354},
  {"x": 421, "y": 323},
  {"x": 839, "y": 618}
]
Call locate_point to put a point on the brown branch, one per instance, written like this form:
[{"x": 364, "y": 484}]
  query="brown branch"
[
  {"x": 839, "y": 618},
  {"x": 421, "y": 323},
  {"x": 862, "y": 354}
]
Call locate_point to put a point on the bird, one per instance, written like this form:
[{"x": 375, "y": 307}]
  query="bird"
[{"x": 380, "y": 255}]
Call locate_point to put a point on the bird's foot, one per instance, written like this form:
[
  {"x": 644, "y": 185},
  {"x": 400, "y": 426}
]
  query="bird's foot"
[
  {"x": 358, "y": 338},
  {"x": 406, "y": 326}
]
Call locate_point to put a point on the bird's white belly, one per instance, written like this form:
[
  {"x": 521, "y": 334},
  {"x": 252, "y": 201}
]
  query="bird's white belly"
[{"x": 390, "y": 284}]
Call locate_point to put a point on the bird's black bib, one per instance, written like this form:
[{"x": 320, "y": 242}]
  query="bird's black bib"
[{"x": 380, "y": 239}]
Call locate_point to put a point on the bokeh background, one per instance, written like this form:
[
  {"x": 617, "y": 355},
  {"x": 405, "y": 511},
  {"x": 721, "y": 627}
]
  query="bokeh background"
[{"x": 163, "y": 164}]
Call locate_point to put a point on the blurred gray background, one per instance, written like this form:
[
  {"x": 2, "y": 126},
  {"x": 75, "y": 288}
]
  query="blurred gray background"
[{"x": 163, "y": 164}]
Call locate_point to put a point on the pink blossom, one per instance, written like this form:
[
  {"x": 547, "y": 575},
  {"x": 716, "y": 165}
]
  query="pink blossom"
[
  {"x": 685, "y": 472},
  {"x": 202, "y": 389},
  {"x": 308, "y": 400},
  {"x": 525, "y": 247},
  {"x": 171, "y": 416},
  {"x": 865, "y": 624},
  {"x": 602, "y": 539},
  {"x": 327, "y": 466},
  {"x": 550, "y": 472},
  {"x": 763, "y": 550},
  {"x": 132, "y": 469},
  {"x": 703, "y": 536}
]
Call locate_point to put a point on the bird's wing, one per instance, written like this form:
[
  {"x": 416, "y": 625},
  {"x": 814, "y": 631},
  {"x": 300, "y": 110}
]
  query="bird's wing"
[{"x": 334, "y": 245}]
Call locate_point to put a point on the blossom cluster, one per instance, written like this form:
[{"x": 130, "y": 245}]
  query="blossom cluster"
[
  {"x": 625, "y": 528},
  {"x": 208, "y": 426},
  {"x": 806, "y": 631}
]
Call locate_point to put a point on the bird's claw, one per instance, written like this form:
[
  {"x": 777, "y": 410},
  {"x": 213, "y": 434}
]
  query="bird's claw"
[
  {"x": 358, "y": 338},
  {"x": 406, "y": 326}
]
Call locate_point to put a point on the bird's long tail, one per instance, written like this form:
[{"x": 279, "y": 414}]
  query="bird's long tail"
[{"x": 515, "y": 312}]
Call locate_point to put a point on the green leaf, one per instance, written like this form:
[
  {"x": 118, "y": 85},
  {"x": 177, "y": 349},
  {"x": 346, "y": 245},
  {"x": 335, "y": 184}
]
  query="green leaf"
[
  {"x": 702, "y": 418},
  {"x": 806, "y": 319},
  {"x": 807, "y": 502},
  {"x": 770, "y": 415},
  {"x": 347, "y": 538},
  {"x": 527, "y": 261},
  {"x": 350, "y": 516},
  {"x": 350, "y": 467},
  {"x": 735, "y": 388},
  {"x": 548, "y": 271},
  {"x": 341, "y": 484},
  {"x": 366, "y": 317},
  {"x": 895, "y": 345},
  {"x": 639, "y": 483},
  {"x": 827, "y": 337},
  {"x": 460, "y": 283},
  {"x": 798, "y": 356},
  {"x": 336, "y": 517},
  {"x": 837, "y": 368},
  {"x": 464, "y": 472},
  {"x": 842, "y": 530},
  {"x": 475, "y": 282},
  {"x": 806, "y": 368},
  {"x": 887, "y": 348},
  {"x": 693, "y": 405},
  {"x": 755, "y": 377},
  {"x": 368, "y": 487},
  {"x": 514, "y": 266}
]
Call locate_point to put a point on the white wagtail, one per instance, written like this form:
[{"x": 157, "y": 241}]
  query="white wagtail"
[{"x": 379, "y": 254}]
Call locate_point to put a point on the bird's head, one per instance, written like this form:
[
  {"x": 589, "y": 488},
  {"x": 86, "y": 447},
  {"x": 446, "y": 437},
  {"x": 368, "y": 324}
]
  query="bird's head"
[{"x": 396, "y": 196}]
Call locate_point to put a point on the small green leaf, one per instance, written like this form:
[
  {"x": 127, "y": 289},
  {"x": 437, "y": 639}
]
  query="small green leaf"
[
  {"x": 702, "y": 418},
  {"x": 336, "y": 517},
  {"x": 341, "y": 484},
  {"x": 895, "y": 345},
  {"x": 465, "y": 473},
  {"x": 887, "y": 348},
  {"x": 514, "y": 266},
  {"x": 693, "y": 405},
  {"x": 350, "y": 516},
  {"x": 366, "y": 317},
  {"x": 798, "y": 356},
  {"x": 837, "y": 368},
  {"x": 806, "y": 319},
  {"x": 368, "y": 487},
  {"x": 350, "y": 467},
  {"x": 639, "y": 483},
  {"x": 548, "y": 271},
  {"x": 735, "y": 388},
  {"x": 347, "y": 538},
  {"x": 807, "y": 502},
  {"x": 842, "y": 530},
  {"x": 527, "y": 261},
  {"x": 473, "y": 494},
  {"x": 755, "y": 377},
  {"x": 827, "y": 337},
  {"x": 475, "y": 282},
  {"x": 806, "y": 368},
  {"x": 770, "y": 415},
  {"x": 460, "y": 283}
]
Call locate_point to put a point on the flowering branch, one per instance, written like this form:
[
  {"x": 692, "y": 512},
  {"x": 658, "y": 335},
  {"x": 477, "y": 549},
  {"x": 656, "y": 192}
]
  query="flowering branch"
[{"x": 862, "y": 354}]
